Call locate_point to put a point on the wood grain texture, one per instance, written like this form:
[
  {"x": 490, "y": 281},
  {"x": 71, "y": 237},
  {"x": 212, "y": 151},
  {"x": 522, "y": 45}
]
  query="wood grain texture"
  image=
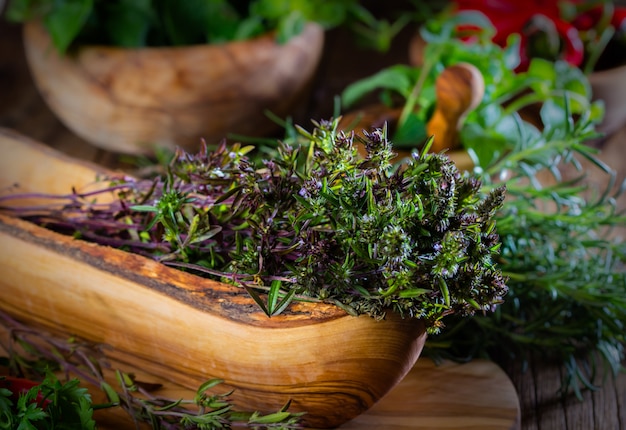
[
  {"x": 174, "y": 323},
  {"x": 130, "y": 100},
  {"x": 472, "y": 396}
]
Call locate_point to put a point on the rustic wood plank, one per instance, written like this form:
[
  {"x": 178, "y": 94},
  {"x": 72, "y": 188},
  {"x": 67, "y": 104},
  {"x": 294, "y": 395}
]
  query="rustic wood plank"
[
  {"x": 551, "y": 414},
  {"x": 466, "y": 396},
  {"x": 522, "y": 377},
  {"x": 605, "y": 404},
  {"x": 620, "y": 398}
]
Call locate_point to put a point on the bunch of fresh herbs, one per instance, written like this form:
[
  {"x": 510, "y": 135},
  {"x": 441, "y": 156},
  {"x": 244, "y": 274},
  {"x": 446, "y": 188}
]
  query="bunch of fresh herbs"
[
  {"x": 316, "y": 222},
  {"x": 167, "y": 23}
]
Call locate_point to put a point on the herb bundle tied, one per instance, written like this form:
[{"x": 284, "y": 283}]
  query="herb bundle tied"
[{"x": 315, "y": 222}]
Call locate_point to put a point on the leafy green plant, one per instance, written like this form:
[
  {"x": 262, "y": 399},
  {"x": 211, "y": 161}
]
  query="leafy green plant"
[
  {"x": 491, "y": 129},
  {"x": 49, "y": 404},
  {"x": 317, "y": 222},
  {"x": 139, "y": 23}
]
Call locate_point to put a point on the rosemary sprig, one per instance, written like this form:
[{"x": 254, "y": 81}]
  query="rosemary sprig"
[{"x": 562, "y": 254}]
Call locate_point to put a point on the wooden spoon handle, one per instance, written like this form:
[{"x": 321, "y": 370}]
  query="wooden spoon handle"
[{"x": 459, "y": 89}]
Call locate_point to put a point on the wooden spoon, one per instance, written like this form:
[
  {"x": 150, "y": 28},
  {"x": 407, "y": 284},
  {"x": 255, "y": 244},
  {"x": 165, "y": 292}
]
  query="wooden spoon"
[{"x": 459, "y": 89}]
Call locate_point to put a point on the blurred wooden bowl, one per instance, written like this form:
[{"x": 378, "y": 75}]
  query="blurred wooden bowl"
[
  {"x": 184, "y": 328},
  {"x": 131, "y": 100}
]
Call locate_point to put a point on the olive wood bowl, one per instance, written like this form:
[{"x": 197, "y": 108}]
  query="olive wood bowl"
[
  {"x": 134, "y": 100},
  {"x": 182, "y": 327}
]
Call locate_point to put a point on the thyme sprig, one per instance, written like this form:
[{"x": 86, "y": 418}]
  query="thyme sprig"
[
  {"x": 316, "y": 220},
  {"x": 35, "y": 353},
  {"x": 562, "y": 253}
]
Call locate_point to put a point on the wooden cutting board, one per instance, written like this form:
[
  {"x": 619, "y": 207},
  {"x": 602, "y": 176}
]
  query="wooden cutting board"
[
  {"x": 472, "y": 396},
  {"x": 476, "y": 395}
]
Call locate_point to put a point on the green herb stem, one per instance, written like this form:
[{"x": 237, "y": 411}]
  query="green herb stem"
[{"x": 412, "y": 98}]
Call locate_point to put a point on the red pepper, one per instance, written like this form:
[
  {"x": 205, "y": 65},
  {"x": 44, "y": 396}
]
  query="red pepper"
[
  {"x": 619, "y": 18},
  {"x": 510, "y": 17},
  {"x": 20, "y": 386},
  {"x": 574, "y": 47},
  {"x": 589, "y": 19}
]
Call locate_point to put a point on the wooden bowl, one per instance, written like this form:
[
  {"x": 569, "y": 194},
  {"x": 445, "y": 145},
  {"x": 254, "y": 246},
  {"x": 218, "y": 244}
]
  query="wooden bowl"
[
  {"x": 185, "y": 328},
  {"x": 131, "y": 100}
]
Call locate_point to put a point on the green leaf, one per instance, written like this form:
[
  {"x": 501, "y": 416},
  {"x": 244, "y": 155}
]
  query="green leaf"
[
  {"x": 542, "y": 70},
  {"x": 249, "y": 28},
  {"x": 207, "y": 385},
  {"x": 399, "y": 78},
  {"x": 443, "y": 286},
  {"x": 272, "y": 296},
  {"x": 207, "y": 235},
  {"x": 65, "y": 21},
  {"x": 222, "y": 23},
  {"x": 170, "y": 406},
  {"x": 413, "y": 292},
  {"x": 196, "y": 21},
  {"x": 284, "y": 302},
  {"x": 126, "y": 380},
  {"x": 276, "y": 417},
  {"x": 255, "y": 296},
  {"x": 110, "y": 392},
  {"x": 127, "y": 22},
  {"x": 411, "y": 134},
  {"x": 553, "y": 115},
  {"x": 31, "y": 413},
  {"x": 144, "y": 208},
  {"x": 290, "y": 26}
]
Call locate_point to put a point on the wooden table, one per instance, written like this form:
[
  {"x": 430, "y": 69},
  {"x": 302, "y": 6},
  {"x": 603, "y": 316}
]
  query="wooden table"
[{"x": 22, "y": 109}]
